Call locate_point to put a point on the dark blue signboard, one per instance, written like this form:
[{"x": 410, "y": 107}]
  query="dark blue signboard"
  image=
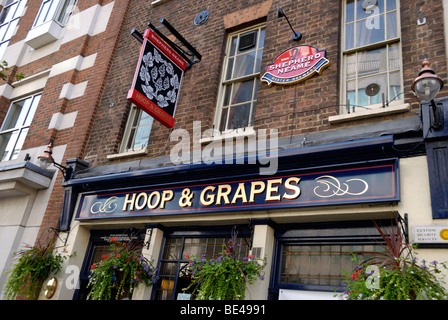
[{"x": 373, "y": 182}]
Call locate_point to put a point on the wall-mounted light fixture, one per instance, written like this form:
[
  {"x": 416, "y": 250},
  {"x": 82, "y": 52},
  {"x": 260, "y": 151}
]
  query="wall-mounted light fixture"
[
  {"x": 46, "y": 159},
  {"x": 297, "y": 36},
  {"x": 427, "y": 85}
]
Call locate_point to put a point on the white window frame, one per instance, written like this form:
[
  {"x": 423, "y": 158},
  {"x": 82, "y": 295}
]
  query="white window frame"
[
  {"x": 397, "y": 101},
  {"x": 58, "y": 11},
  {"x": 10, "y": 14},
  {"x": 255, "y": 76},
  {"x": 131, "y": 131},
  {"x": 15, "y": 145}
]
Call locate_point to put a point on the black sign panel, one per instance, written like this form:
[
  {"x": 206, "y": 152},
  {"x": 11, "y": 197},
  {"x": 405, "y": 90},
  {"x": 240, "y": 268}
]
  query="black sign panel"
[{"x": 158, "y": 79}]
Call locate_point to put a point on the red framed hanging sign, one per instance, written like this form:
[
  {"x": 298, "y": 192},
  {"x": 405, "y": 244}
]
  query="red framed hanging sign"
[{"x": 157, "y": 79}]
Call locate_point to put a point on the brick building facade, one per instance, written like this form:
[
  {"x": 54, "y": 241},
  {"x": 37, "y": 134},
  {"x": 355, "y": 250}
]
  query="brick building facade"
[{"x": 328, "y": 123}]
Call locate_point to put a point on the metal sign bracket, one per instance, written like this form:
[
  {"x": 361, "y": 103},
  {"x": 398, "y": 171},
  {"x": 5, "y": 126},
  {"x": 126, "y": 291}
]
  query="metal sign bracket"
[{"x": 186, "y": 50}]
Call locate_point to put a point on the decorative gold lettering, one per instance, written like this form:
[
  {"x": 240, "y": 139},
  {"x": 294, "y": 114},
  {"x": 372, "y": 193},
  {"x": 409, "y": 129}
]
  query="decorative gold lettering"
[
  {"x": 167, "y": 195},
  {"x": 223, "y": 192},
  {"x": 270, "y": 189},
  {"x": 210, "y": 197},
  {"x": 154, "y": 205},
  {"x": 130, "y": 202},
  {"x": 291, "y": 187},
  {"x": 254, "y": 190},
  {"x": 138, "y": 205},
  {"x": 240, "y": 193}
]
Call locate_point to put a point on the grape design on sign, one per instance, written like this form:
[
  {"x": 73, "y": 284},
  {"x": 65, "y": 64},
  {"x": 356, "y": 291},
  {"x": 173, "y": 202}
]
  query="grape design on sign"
[{"x": 160, "y": 81}]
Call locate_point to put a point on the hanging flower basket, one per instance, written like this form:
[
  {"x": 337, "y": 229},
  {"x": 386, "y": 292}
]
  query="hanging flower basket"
[
  {"x": 32, "y": 266},
  {"x": 117, "y": 274},
  {"x": 226, "y": 277}
]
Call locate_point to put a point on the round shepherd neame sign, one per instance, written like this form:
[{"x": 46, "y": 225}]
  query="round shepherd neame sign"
[{"x": 295, "y": 65}]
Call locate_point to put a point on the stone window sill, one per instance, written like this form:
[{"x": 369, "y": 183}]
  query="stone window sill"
[
  {"x": 242, "y": 132},
  {"x": 132, "y": 153},
  {"x": 365, "y": 114}
]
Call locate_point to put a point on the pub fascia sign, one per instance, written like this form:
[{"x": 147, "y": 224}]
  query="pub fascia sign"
[
  {"x": 295, "y": 65},
  {"x": 346, "y": 185},
  {"x": 157, "y": 79}
]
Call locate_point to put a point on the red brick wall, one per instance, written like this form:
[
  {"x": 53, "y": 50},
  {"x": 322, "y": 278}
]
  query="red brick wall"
[
  {"x": 104, "y": 45},
  {"x": 314, "y": 100}
]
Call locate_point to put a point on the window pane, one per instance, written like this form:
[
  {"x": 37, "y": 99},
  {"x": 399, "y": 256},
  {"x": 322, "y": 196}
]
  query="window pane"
[
  {"x": 391, "y": 5},
  {"x": 370, "y": 31},
  {"x": 3, "y": 30},
  {"x": 242, "y": 91},
  {"x": 366, "y": 98},
  {"x": 7, "y": 143},
  {"x": 318, "y": 265},
  {"x": 392, "y": 25},
  {"x": 142, "y": 137},
  {"x": 395, "y": 86},
  {"x": 13, "y": 116},
  {"x": 64, "y": 11},
  {"x": 32, "y": 110},
  {"x": 20, "y": 9},
  {"x": 11, "y": 29},
  {"x": 41, "y": 18},
  {"x": 233, "y": 46},
  {"x": 350, "y": 11},
  {"x": 258, "y": 64},
  {"x": 223, "y": 122},
  {"x": 394, "y": 58},
  {"x": 372, "y": 62},
  {"x": 350, "y": 65},
  {"x": 261, "y": 40},
  {"x": 244, "y": 65},
  {"x": 239, "y": 116},
  {"x": 365, "y": 9},
  {"x": 19, "y": 144},
  {"x": 350, "y": 36},
  {"x": 9, "y": 12},
  {"x": 229, "y": 69},
  {"x": 227, "y": 95}
]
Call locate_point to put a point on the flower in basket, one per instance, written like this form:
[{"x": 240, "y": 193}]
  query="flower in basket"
[
  {"x": 32, "y": 266},
  {"x": 118, "y": 273},
  {"x": 395, "y": 274},
  {"x": 225, "y": 277}
]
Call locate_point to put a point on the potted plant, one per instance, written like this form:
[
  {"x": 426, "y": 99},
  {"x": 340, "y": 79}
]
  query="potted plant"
[
  {"x": 117, "y": 274},
  {"x": 395, "y": 274},
  {"x": 32, "y": 266},
  {"x": 225, "y": 277}
]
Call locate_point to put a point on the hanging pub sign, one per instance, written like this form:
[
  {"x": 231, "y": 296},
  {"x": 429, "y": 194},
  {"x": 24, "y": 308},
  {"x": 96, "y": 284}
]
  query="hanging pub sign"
[
  {"x": 295, "y": 65},
  {"x": 157, "y": 79}
]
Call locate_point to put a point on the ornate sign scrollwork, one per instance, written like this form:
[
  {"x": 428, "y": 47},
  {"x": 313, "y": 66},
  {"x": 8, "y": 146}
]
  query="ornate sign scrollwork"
[{"x": 330, "y": 186}]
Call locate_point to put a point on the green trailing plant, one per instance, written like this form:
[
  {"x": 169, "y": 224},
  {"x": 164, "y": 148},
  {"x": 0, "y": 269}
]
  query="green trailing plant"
[
  {"x": 225, "y": 277},
  {"x": 32, "y": 266},
  {"x": 395, "y": 274},
  {"x": 5, "y": 72},
  {"x": 118, "y": 273}
]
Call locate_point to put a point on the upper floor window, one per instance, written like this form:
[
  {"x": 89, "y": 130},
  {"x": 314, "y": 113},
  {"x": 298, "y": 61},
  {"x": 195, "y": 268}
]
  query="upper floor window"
[
  {"x": 56, "y": 10},
  {"x": 138, "y": 130},
  {"x": 9, "y": 18},
  {"x": 372, "y": 68},
  {"x": 15, "y": 127},
  {"x": 238, "y": 96}
]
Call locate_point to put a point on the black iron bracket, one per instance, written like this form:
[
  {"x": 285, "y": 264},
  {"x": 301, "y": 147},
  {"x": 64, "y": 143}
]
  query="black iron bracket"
[
  {"x": 185, "y": 50},
  {"x": 57, "y": 233}
]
